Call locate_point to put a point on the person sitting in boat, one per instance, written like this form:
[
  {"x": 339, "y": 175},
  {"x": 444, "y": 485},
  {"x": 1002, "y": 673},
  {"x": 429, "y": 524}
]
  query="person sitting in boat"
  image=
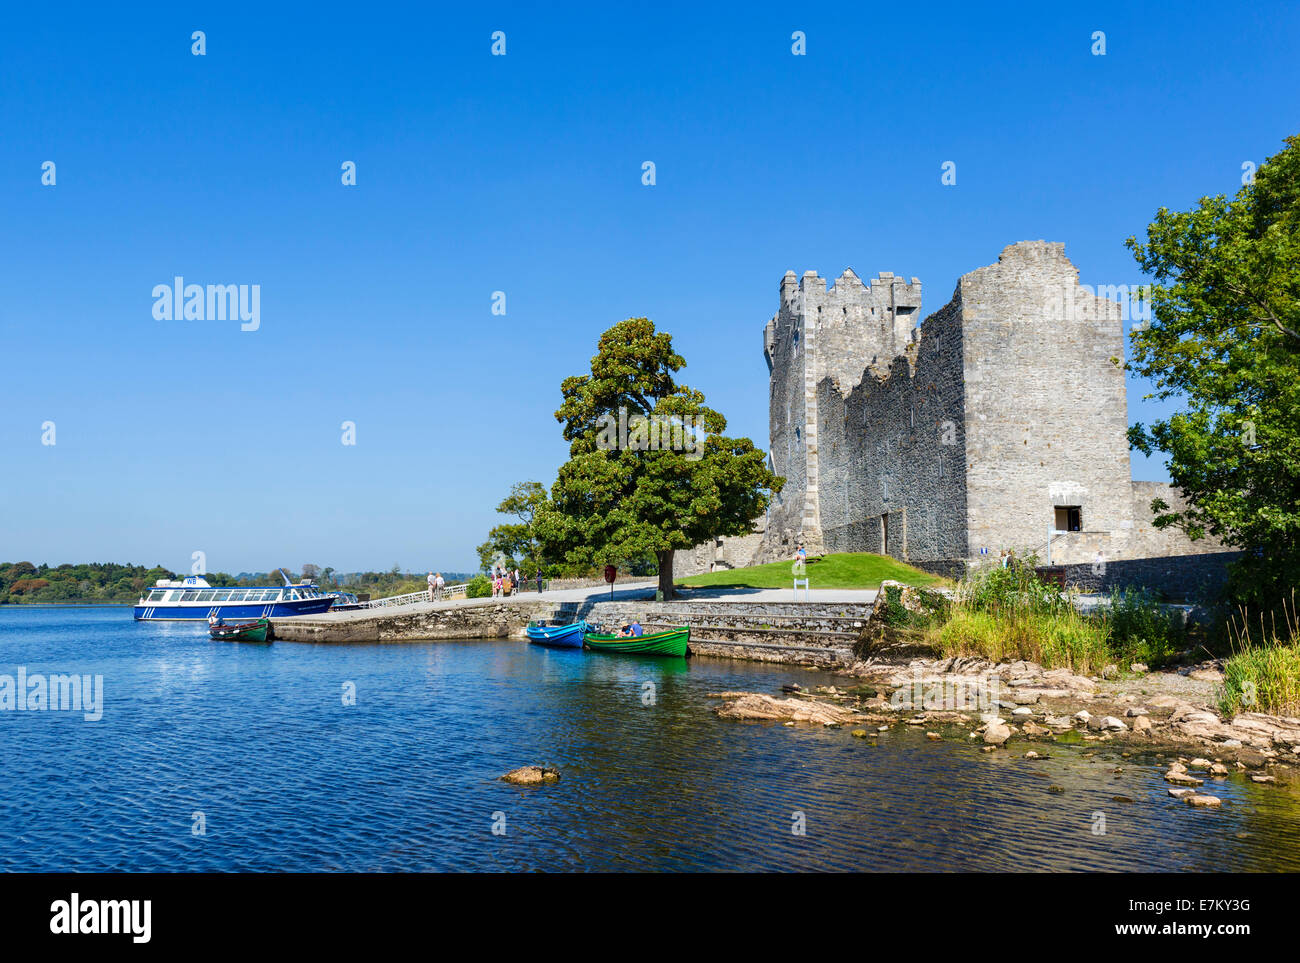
[
  {"x": 636, "y": 631},
  {"x": 214, "y": 619},
  {"x": 624, "y": 632}
]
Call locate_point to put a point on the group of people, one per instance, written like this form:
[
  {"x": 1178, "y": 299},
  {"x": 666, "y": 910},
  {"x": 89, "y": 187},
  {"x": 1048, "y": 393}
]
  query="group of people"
[
  {"x": 436, "y": 584},
  {"x": 505, "y": 581}
]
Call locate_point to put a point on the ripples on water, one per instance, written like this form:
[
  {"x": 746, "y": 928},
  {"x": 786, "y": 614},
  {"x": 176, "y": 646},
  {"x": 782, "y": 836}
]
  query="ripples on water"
[{"x": 256, "y": 737}]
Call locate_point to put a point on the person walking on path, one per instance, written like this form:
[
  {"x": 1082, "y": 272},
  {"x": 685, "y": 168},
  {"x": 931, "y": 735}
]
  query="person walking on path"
[
  {"x": 432, "y": 584},
  {"x": 539, "y": 581},
  {"x": 439, "y": 583}
]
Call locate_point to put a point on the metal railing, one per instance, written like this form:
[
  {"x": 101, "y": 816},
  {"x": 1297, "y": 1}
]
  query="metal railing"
[
  {"x": 448, "y": 592},
  {"x": 457, "y": 591}
]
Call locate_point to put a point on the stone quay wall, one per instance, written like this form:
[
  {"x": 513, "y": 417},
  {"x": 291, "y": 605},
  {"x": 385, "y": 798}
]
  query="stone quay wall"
[{"x": 488, "y": 619}]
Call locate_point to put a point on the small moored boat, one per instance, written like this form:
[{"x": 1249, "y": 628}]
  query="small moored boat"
[
  {"x": 557, "y": 636},
  {"x": 242, "y": 632},
  {"x": 674, "y": 642}
]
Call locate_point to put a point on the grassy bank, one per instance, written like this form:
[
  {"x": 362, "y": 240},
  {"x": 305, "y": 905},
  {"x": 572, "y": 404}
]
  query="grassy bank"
[
  {"x": 1263, "y": 673},
  {"x": 1007, "y": 614},
  {"x": 849, "y": 570}
]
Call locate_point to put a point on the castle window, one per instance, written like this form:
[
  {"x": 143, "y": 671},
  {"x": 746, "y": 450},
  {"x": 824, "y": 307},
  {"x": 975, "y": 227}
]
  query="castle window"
[{"x": 1069, "y": 518}]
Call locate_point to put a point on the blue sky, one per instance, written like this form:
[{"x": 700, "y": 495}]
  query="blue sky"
[{"x": 521, "y": 174}]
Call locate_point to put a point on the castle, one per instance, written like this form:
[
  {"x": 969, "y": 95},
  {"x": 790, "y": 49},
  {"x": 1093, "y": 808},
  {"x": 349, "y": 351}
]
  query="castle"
[{"x": 998, "y": 423}]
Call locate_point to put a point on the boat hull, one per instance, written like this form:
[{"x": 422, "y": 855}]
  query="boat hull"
[
  {"x": 237, "y": 612},
  {"x": 557, "y": 636},
  {"x": 247, "y": 632},
  {"x": 674, "y": 643}
]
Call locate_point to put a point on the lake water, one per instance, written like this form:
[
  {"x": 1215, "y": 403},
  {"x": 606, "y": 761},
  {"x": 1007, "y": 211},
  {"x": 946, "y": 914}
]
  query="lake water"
[{"x": 257, "y": 739}]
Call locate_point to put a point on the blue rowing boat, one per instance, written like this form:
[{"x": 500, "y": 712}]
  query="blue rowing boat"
[{"x": 557, "y": 636}]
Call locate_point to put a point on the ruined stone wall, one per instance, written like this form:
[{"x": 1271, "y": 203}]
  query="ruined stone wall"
[
  {"x": 717, "y": 554},
  {"x": 893, "y": 463}
]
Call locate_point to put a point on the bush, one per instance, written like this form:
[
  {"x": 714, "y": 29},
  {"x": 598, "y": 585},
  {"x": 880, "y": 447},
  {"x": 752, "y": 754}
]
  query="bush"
[
  {"x": 479, "y": 587},
  {"x": 1014, "y": 590},
  {"x": 1141, "y": 630}
]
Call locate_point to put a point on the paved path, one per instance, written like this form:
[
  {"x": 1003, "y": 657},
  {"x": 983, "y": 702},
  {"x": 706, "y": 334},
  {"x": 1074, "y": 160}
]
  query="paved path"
[
  {"x": 733, "y": 594},
  {"x": 625, "y": 592}
]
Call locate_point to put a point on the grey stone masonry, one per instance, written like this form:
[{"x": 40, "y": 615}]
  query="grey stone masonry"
[{"x": 998, "y": 423}]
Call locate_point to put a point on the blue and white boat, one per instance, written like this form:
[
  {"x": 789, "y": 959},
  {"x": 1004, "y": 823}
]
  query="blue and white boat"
[
  {"x": 557, "y": 636},
  {"x": 194, "y": 600}
]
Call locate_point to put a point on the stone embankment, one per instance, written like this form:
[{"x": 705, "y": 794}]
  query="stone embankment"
[
  {"x": 803, "y": 633},
  {"x": 476, "y": 619}
]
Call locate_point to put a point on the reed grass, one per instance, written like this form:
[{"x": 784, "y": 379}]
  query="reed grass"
[{"x": 1263, "y": 673}]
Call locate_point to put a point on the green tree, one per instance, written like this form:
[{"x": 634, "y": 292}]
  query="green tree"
[
  {"x": 649, "y": 470},
  {"x": 1225, "y": 339},
  {"x": 516, "y": 542}
]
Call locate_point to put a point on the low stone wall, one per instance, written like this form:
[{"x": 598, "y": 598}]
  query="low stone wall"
[
  {"x": 804, "y": 633},
  {"x": 488, "y": 619},
  {"x": 807, "y": 633},
  {"x": 1180, "y": 578}
]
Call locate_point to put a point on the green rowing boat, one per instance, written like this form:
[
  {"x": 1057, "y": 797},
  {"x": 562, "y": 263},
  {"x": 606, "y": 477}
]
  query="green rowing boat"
[
  {"x": 243, "y": 632},
  {"x": 674, "y": 642}
]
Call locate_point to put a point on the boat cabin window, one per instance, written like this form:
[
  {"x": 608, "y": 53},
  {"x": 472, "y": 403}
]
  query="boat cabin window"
[
  {"x": 189, "y": 596},
  {"x": 156, "y": 596}
]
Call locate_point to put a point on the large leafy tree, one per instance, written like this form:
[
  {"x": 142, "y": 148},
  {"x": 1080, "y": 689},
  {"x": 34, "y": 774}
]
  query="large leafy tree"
[
  {"x": 1225, "y": 339},
  {"x": 625, "y": 495},
  {"x": 515, "y": 541}
]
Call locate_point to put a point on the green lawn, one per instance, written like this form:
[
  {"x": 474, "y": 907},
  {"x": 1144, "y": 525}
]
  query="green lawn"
[{"x": 856, "y": 570}]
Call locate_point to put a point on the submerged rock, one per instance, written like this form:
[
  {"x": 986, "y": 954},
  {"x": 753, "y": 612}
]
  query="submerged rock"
[
  {"x": 531, "y": 775},
  {"x": 754, "y": 705}
]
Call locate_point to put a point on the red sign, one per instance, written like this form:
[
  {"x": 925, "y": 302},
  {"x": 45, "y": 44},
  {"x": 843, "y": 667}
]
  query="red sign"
[{"x": 610, "y": 573}]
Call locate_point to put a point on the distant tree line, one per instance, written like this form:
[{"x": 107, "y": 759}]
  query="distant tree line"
[
  {"x": 25, "y": 582},
  {"x": 87, "y": 582}
]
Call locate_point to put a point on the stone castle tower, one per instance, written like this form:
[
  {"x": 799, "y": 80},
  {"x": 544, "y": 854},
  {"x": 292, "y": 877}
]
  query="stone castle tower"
[
  {"x": 998, "y": 421},
  {"x": 821, "y": 333}
]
